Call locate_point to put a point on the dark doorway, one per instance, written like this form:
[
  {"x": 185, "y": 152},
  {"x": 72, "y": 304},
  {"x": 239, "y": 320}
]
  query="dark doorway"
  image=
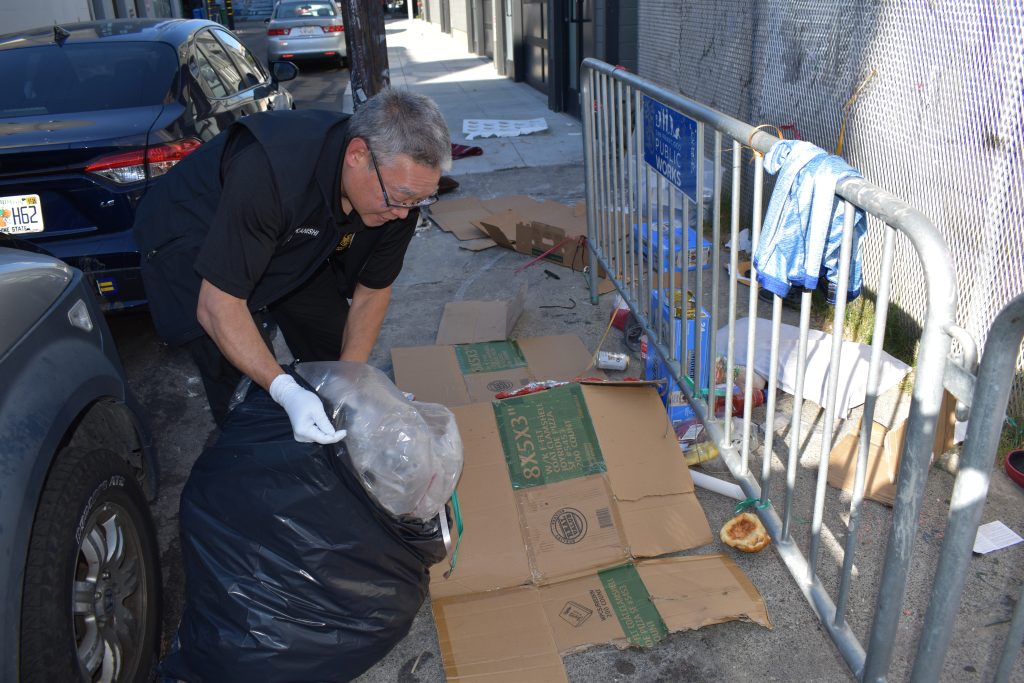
[
  {"x": 482, "y": 27},
  {"x": 577, "y": 43},
  {"x": 535, "y": 44},
  {"x": 505, "y": 46},
  {"x": 488, "y": 32}
]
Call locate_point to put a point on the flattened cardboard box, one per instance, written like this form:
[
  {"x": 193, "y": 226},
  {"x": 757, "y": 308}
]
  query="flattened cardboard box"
[
  {"x": 520, "y": 634},
  {"x": 885, "y": 446},
  {"x": 561, "y": 491},
  {"x": 469, "y": 322},
  {"x": 457, "y": 374}
]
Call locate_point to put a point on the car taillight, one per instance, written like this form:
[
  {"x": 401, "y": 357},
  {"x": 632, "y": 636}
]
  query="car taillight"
[
  {"x": 132, "y": 167},
  {"x": 278, "y": 31},
  {"x": 333, "y": 29}
]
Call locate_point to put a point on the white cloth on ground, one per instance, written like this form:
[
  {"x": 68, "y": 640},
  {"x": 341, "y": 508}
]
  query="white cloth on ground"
[{"x": 854, "y": 361}]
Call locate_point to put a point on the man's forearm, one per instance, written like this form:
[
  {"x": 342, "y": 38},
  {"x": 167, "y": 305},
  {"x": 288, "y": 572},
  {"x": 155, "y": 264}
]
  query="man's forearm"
[
  {"x": 365, "y": 317},
  {"x": 228, "y": 322}
]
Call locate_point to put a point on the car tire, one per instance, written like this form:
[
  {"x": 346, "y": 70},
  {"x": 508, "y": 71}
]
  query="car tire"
[
  {"x": 342, "y": 62},
  {"x": 91, "y": 601}
]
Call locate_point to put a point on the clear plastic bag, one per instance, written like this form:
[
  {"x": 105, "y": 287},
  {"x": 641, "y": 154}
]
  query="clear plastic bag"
[{"x": 408, "y": 454}]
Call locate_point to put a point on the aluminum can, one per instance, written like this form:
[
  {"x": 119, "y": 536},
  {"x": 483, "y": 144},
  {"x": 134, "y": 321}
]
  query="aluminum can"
[{"x": 610, "y": 360}]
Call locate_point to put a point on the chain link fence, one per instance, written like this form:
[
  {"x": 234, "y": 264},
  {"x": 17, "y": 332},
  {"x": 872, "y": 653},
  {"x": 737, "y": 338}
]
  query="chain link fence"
[{"x": 925, "y": 98}]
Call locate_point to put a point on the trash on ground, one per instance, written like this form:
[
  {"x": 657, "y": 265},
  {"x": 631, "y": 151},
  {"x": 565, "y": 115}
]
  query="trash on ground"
[
  {"x": 716, "y": 485},
  {"x": 468, "y": 322},
  {"x": 853, "y": 363},
  {"x": 745, "y": 532},
  {"x": 654, "y": 368},
  {"x": 463, "y": 151},
  {"x": 408, "y": 454},
  {"x": 502, "y": 128},
  {"x": 284, "y": 550},
  {"x": 743, "y": 243},
  {"x": 573, "y": 488},
  {"x": 884, "y": 448},
  {"x": 646, "y": 243},
  {"x": 547, "y": 231},
  {"x": 994, "y": 536},
  {"x": 743, "y": 269}
]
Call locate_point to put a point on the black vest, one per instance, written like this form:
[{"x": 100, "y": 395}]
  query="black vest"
[{"x": 174, "y": 217}]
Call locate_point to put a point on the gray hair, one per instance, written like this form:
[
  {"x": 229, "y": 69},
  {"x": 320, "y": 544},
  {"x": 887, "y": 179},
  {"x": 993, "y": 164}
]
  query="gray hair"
[{"x": 395, "y": 122}]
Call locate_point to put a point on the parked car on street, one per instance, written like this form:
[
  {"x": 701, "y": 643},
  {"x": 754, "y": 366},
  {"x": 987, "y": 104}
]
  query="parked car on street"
[
  {"x": 92, "y": 113},
  {"x": 307, "y": 29},
  {"x": 78, "y": 552}
]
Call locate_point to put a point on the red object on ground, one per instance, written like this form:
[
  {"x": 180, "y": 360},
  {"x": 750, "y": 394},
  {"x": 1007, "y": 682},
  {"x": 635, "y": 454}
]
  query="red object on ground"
[
  {"x": 463, "y": 151},
  {"x": 1014, "y": 465},
  {"x": 757, "y": 399},
  {"x": 619, "y": 318}
]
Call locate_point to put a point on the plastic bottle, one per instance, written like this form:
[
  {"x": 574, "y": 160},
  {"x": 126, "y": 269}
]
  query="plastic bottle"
[
  {"x": 757, "y": 398},
  {"x": 700, "y": 452}
]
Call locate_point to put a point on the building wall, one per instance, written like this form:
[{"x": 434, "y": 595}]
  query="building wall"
[
  {"x": 460, "y": 18},
  {"x": 930, "y": 96},
  {"x": 434, "y": 10},
  {"x": 627, "y": 34},
  {"x": 16, "y": 16}
]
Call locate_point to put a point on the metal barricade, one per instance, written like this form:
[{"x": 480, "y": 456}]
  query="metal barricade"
[
  {"x": 970, "y": 489},
  {"x": 633, "y": 211}
]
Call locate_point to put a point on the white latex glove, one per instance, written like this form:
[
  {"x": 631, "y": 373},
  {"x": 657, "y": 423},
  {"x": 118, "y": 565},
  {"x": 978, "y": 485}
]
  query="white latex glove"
[{"x": 305, "y": 410}]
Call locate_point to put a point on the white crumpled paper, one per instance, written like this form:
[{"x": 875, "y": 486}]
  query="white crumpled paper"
[
  {"x": 495, "y": 128},
  {"x": 854, "y": 361}
]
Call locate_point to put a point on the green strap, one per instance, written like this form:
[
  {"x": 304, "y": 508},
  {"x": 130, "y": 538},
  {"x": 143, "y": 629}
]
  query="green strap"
[{"x": 457, "y": 513}]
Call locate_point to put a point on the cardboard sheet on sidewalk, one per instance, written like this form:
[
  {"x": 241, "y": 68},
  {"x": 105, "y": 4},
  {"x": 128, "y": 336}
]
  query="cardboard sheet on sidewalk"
[
  {"x": 885, "y": 445},
  {"x": 457, "y": 374},
  {"x": 468, "y": 322},
  {"x": 564, "y": 492},
  {"x": 458, "y": 216}
]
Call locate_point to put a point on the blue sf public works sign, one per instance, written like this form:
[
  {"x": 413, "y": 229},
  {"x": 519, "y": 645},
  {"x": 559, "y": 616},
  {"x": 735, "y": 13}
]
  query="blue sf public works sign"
[{"x": 670, "y": 146}]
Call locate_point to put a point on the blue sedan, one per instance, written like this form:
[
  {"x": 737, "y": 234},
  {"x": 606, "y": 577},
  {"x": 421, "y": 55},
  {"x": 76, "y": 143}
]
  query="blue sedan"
[{"x": 92, "y": 113}]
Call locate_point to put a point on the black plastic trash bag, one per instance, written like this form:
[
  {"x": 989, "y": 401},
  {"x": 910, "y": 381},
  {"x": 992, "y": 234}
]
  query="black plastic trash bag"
[{"x": 293, "y": 573}]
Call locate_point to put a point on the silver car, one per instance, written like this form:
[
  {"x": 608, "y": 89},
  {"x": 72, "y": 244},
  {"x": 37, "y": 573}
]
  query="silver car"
[{"x": 309, "y": 29}]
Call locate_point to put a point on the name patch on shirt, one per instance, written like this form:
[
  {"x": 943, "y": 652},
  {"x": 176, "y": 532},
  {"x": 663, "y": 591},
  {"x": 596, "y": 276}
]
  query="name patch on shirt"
[{"x": 312, "y": 232}]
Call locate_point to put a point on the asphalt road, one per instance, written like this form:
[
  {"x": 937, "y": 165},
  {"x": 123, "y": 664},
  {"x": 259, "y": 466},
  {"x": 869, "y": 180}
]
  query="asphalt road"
[{"x": 164, "y": 379}]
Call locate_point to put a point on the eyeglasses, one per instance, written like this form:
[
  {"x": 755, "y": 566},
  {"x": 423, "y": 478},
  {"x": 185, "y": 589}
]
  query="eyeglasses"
[{"x": 427, "y": 201}]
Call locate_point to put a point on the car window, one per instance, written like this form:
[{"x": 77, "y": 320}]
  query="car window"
[
  {"x": 220, "y": 61},
  {"x": 85, "y": 77},
  {"x": 252, "y": 72},
  {"x": 205, "y": 75},
  {"x": 296, "y": 10}
]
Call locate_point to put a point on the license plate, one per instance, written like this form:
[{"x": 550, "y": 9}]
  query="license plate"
[
  {"x": 21, "y": 214},
  {"x": 310, "y": 31}
]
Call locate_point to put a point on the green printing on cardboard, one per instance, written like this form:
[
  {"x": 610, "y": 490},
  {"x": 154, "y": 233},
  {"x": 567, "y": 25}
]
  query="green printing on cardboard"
[
  {"x": 548, "y": 437},
  {"x": 493, "y": 356},
  {"x": 632, "y": 605}
]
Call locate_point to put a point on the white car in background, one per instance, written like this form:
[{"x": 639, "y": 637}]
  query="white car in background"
[{"x": 308, "y": 29}]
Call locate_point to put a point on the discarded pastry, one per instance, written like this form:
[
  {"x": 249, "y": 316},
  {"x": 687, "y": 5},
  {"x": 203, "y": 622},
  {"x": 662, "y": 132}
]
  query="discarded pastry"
[{"x": 745, "y": 532}]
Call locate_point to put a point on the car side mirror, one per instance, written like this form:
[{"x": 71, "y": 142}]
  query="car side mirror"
[
  {"x": 267, "y": 20},
  {"x": 283, "y": 71}
]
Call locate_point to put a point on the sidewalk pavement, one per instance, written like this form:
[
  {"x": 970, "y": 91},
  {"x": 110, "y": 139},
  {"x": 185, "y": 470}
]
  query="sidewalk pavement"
[
  {"x": 549, "y": 165},
  {"x": 427, "y": 61}
]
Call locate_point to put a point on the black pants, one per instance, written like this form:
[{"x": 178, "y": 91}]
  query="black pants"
[{"x": 312, "y": 320}]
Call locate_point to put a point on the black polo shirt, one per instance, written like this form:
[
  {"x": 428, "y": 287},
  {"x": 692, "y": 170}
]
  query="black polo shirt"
[{"x": 251, "y": 214}]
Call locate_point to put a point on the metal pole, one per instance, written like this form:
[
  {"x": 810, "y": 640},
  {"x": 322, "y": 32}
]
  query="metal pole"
[
  {"x": 367, "y": 49},
  {"x": 971, "y": 489}
]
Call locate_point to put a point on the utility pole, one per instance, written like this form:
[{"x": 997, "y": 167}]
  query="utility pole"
[{"x": 367, "y": 48}]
